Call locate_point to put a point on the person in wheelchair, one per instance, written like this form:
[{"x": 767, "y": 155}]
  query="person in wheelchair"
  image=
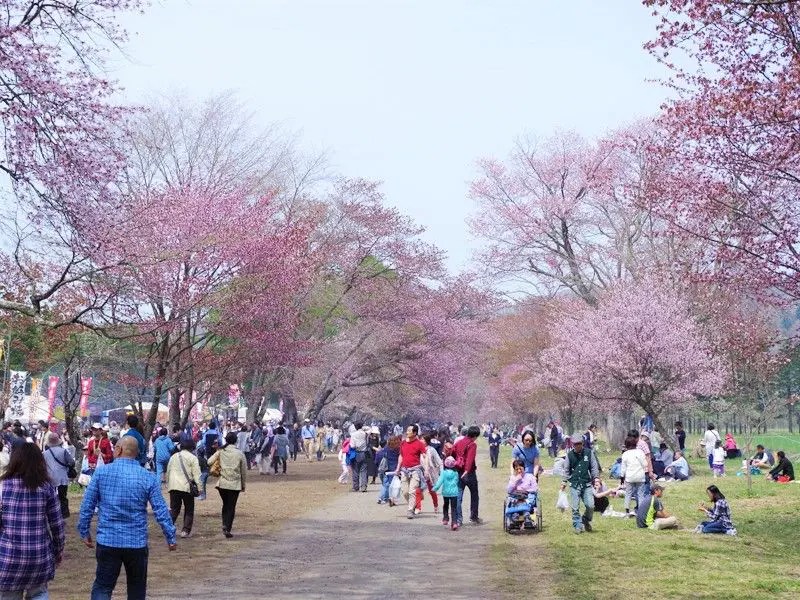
[{"x": 522, "y": 492}]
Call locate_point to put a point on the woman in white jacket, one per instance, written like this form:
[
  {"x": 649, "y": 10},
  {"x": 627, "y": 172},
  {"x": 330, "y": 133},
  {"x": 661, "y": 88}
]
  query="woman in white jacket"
[
  {"x": 633, "y": 470},
  {"x": 710, "y": 439}
]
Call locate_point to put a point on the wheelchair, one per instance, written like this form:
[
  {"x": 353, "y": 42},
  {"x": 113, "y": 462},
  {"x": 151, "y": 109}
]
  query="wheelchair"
[{"x": 515, "y": 507}]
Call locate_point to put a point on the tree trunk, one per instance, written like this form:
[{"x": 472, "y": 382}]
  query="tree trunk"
[{"x": 320, "y": 401}]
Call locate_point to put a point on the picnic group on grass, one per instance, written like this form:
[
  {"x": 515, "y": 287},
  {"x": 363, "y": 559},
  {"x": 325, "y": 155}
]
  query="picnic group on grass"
[{"x": 124, "y": 474}]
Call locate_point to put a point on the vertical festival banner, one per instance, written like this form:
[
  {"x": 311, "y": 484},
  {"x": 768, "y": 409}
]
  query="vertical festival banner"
[
  {"x": 86, "y": 389},
  {"x": 16, "y": 403},
  {"x": 52, "y": 387}
]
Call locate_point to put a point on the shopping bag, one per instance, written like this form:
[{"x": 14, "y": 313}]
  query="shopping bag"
[
  {"x": 395, "y": 489},
  {"x": 562, "y": 503}
]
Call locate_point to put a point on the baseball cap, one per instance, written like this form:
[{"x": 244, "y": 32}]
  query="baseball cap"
[
  {"x": 449, "y": 462},
  {"x": 577, "y": 439},
  {"x": 645, "y": 434},
  {"x": 97, "y": 426}
]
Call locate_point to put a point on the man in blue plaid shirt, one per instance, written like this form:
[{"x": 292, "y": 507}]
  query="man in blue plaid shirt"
[{"x": 122, "y": 491}]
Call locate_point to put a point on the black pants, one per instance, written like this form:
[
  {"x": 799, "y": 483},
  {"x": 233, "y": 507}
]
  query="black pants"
[
  {"x": 176, "y": 499},
  {"x": 63, "y": 501},
  {"x": 277, "y": 460},
  {"x": 229, "y": 499},
  {"x": 109, "y": 563},
  {"x": 449, "y": 507},
  {"x": 494, "y": 455},
  {"x": 470, "y": 482},
  {"x": 293, "y": 450}
]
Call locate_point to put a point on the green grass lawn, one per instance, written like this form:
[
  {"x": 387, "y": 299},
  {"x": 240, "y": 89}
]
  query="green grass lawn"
[{"x": 619, "y": 560}]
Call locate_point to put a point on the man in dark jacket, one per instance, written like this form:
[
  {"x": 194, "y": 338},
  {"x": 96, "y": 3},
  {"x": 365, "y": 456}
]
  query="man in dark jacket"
[{"x": 580, "y": 469}]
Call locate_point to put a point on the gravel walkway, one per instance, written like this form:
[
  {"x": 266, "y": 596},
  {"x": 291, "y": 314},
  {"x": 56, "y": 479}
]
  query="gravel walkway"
[{"x": 354, "y": 548}]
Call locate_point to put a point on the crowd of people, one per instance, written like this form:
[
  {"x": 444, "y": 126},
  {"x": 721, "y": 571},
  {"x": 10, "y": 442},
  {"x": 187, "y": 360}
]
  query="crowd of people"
[{"x": 124, "y": 473}]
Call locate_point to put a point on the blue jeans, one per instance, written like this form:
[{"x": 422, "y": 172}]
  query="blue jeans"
[
  {"x": 575, "y": 498},
  {"x": 161, "y": 467},
  {"x": 713, "y": 527},
  {"x": 109, "y": 563},
  {"x": 203, "y": 480},
  {"x": 387, "y": 481},
  {"x": 35, "y": 593}
]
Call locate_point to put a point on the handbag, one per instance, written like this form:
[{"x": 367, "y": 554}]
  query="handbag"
[
  {"x": 71, "y": 472},
  {"x": 215, "y": 469},
  {"x": 193, "y": 489}
]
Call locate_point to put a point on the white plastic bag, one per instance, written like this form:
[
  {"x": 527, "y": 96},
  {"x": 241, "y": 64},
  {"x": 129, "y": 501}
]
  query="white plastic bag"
[
  {"x": 562, "y": 503},
  {"x": 395, "y": 489}
]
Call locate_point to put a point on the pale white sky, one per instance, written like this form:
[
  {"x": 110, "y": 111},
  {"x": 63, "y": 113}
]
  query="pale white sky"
[{"x": 407, "y": 92}]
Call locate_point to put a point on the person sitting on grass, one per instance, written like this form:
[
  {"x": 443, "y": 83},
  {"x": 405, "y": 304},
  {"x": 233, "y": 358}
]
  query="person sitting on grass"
[
  {"x": 731, "y": 449},
  {"x": 602, "y": 504},
  {"x": 762, "y": 459},
  {"x": 661, "y": 459},
  {"x": 784, "y": 468},
  {"x": 652, "y": 514},
  {"x": 678, "y": 469},
  {"x": 719, "y": 514}
]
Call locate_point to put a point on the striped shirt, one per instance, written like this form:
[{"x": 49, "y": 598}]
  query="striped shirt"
[{"x": 122, "y": 491}]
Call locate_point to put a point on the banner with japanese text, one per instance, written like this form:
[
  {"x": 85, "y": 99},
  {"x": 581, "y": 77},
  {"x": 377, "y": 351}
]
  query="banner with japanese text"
[
  {"x": 86, "y": 390},
  {"x": 16, "y": 403},
  {"x": 52, "y": 387}
]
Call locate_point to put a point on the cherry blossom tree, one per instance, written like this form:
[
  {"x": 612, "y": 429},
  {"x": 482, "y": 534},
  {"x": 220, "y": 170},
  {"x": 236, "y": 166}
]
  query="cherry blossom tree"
[
  {"x": 731, "y": 134},
  {"x": 61, "y": 151},
  {"x": 640, "y": 345},
  {"x": 382, "y": 313},
  {"x": 570, "y": 215}
]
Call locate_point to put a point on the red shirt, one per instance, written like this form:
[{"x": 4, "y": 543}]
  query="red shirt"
[
  {"x": 467, "y": 448},
  {"x": 105, "y": 450},
  {"x": 410, "y": 453}
]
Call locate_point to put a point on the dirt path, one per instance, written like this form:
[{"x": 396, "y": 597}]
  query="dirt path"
[{"x": 356, "y": 548}]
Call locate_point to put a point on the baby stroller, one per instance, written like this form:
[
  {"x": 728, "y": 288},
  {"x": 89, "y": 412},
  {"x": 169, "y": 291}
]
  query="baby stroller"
[{"x": 522, "y": 512}]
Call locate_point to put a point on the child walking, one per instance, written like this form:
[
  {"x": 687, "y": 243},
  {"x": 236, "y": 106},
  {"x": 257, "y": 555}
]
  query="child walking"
[
  {"x": 718, "y": 464},
  {"x": 448, "y": 483},
  {"x": 343, "y": 478}
]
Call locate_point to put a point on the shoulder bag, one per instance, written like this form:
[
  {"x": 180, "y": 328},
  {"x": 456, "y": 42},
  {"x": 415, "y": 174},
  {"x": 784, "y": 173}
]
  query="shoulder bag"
[
  {"x": 71, "y": 472},
  {"x": 215, "y": 469},
  {"x": 194, "y": 490}
]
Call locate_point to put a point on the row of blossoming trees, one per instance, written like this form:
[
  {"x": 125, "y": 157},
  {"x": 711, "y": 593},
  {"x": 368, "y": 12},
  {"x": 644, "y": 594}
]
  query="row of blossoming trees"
[
  {"x": 177, "y": 249},
  {"x": 651, "y": 267}
]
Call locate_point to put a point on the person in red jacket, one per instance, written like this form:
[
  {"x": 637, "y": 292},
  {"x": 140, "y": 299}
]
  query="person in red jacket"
[
  {"x": 409, "y": 467},
  {"x": 465, "y": 451},
  {"x": 98, "y": 446}
]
